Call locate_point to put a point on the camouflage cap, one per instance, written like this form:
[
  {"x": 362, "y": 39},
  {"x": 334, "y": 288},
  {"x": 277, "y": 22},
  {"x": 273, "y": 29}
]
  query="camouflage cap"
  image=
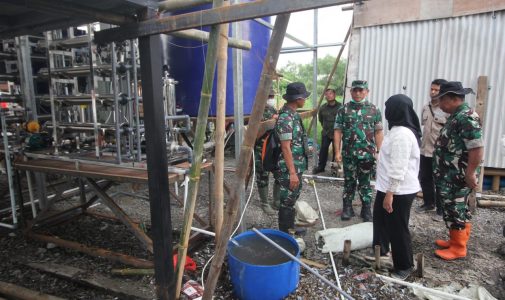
[{"x": 360, "y": 84}]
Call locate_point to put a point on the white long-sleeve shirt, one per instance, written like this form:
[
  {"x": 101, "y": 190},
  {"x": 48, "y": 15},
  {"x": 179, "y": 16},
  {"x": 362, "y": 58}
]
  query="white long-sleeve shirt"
[{"x": 398, "y": 163}]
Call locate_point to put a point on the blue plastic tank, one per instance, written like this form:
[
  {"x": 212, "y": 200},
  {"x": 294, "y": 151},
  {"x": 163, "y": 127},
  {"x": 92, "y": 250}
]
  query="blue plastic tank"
[
  {"x": 186, "y": 61},
  {"x": 260, "y": 280}
]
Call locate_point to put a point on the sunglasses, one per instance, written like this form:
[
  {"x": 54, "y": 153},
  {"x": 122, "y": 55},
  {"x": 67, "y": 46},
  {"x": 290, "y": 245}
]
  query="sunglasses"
[{"x": 360, "y": 82}]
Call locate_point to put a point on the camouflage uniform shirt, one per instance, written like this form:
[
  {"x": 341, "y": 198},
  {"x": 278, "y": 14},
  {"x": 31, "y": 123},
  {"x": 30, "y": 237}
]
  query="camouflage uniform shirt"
[
  {"x": 326, "y": 115},
  {"x": 461, "y": 132},
  {"x": 358, "y": 122},
  {"x": 268, "y": 114},
  {"x": 289, "y": 127}
]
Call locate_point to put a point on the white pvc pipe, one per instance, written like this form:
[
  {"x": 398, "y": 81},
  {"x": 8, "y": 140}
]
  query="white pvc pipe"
[{"x": 423, "y": 288}]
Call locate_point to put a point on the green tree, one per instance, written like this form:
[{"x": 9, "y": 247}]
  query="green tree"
[{"x": 304, "y": 72}]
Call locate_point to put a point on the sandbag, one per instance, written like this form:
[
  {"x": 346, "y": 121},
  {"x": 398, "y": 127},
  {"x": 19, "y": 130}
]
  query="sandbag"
[
  {"x": 361, "y": 236},
  {"x": 305, "y": 214}
]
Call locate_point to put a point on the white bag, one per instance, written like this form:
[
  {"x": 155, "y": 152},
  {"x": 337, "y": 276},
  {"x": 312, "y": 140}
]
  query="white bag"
[
  {"x": 305, "y": 214},
  {"x": 361, "y": 236}
]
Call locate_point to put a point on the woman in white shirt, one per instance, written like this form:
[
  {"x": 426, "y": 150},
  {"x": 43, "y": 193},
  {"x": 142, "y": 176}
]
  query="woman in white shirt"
[{"x": 397, "y": 183}]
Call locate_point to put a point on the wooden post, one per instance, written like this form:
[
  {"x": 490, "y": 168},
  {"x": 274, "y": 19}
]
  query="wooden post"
[
  {"x": 346, "y": 253},
  {"x": 495, "y": 185},
  {"x": 480, "y": 109},
  {"x": 264, "y": 85},
  {"x": 222, "y": 62},
  {"x": 420, "y": 265},
  {"x": 377, "y": 250},
  {"x": 196, "y": 166},
  {"x": 157, "y": 171}
]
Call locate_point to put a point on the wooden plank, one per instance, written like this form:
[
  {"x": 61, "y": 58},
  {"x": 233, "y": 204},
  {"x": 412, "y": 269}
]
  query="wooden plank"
[
  {"x": 112, "y": 172},
  {"x": 122, "y": 216},
  {"x": 491, "y": 203},
  {"x": 121, "y": 288},
  {"x": 93, "y": 251},
  {"x": 233, "y": 13},
  {"x": 13, "y": 291},
  {"x": 313, "y": 263}
]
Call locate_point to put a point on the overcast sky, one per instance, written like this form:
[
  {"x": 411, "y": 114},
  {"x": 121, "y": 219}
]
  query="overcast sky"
[{"x": 333, "y": 25}]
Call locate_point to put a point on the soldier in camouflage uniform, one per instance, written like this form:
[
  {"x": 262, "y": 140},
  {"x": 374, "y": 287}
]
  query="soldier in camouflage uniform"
[
  {"x": 293, "y": 160},
  {"x": 358, "y": 134},
  {"x": 269, "y": 207},
  {"x": 456, "y": 160}
]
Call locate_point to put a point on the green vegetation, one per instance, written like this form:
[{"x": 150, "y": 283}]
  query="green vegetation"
[{"x": 304, "y": 72}]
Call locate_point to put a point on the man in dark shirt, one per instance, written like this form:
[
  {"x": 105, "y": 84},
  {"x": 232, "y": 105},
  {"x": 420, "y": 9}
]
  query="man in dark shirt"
[{"x": 326, "y": 115}]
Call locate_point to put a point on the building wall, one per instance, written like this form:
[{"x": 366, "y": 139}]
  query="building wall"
[
  {"x": 380, "y": 12},
  {"x": 406, "y": 57}
]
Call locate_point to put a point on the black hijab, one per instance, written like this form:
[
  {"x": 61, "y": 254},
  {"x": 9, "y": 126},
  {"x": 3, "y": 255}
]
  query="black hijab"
[{"x": 400, "y": 112}]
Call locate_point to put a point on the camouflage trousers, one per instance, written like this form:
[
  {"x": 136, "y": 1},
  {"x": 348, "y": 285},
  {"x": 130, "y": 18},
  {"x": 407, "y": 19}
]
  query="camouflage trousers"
[
  {"x": 261, "y": 175},
  {"x": 358, "y": 172},
  {"x": 454, "y": 199},
  {"x": 288, "y": 197}
]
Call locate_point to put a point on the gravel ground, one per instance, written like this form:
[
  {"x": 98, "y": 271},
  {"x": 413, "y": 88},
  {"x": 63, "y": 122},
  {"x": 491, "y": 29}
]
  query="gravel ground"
[{"x": 484, "y": 264}]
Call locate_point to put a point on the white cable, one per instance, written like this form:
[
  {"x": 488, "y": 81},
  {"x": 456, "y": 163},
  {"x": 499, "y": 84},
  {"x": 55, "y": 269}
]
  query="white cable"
[
  {"x": 241, "y": 217},
  {"x": 334, "y": 267}
]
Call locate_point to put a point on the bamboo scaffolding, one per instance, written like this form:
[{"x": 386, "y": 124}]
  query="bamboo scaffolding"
[
  {"x": 222, "y": 64},
  {"x": 196, "y": 166},
  {"x": 330, "y": 77},
  {"x": 260, "y": 99}
]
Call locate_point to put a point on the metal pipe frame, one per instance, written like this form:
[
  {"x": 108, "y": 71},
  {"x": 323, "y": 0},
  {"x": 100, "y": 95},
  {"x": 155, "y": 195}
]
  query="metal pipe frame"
[
  {"x": 116, "y": 102},
  {"x": 130, "y": 106},
  {"x": 92, "y": 58},
  {"x": 8, "y": 167},
  {"x": 50, "y": 64},
  {"x": 136, "y": 95}
]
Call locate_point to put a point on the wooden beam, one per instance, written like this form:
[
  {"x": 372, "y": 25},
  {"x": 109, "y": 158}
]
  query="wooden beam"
[
  {"x": 233, "y": 13},
  {"x": 13, "y": 291},
  {"x": 94, "y": 251},
  {"x": 121, "y": 215},
  {"x": 157, "y": 163},
  {"x": 76, "y": 10},
  {"x": 125, "y": 290}
]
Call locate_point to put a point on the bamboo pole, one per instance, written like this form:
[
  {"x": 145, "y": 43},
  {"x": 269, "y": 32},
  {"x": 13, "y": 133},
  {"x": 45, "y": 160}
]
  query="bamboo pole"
[
  {"x": 222, "y": 64},
  {"x": 330, "y": 77},
  {"x": 260, "y": 99},
  {"x": 196, "y": 166},
  {"x": 200, "y": 35}
]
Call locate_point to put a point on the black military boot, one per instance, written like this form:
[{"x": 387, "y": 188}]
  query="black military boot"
[
  {"x": 286, "y": 218},
  {"x": 347, "y": 211},
  {"x": 366, "y": 212}
]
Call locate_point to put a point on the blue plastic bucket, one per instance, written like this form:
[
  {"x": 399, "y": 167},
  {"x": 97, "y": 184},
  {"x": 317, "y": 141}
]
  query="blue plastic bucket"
[{"x": 253, "y": 281}]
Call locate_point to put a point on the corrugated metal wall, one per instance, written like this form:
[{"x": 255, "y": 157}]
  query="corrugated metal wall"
[{"x": 404, "y": 58}]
